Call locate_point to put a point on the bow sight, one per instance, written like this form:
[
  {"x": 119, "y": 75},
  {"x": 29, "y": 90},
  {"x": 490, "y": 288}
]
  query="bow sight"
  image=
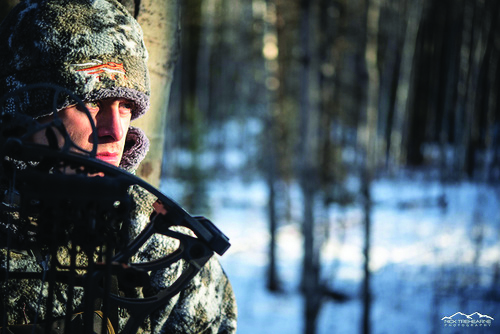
[{"x": 71, "y": 217}]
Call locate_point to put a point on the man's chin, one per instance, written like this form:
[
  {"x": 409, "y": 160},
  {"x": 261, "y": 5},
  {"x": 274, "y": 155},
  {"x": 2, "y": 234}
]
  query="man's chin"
[{"x": 110, "y": 159}]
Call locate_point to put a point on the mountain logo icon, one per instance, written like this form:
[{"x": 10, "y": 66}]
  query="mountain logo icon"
[{"x": 460, "y": 319}]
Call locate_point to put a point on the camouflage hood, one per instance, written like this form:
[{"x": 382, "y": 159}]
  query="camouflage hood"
[{"x": 93, "y": 48}]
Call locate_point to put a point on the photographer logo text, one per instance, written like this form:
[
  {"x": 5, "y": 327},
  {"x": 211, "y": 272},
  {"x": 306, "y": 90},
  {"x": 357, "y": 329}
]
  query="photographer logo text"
[{"x": 460, "y": 319}]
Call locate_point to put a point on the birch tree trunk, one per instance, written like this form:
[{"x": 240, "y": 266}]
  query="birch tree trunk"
[{"x": 160, "y": 21}]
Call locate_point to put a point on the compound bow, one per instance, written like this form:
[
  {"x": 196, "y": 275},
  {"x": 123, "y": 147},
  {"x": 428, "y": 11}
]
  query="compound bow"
[{"x": 62, "y": 197}]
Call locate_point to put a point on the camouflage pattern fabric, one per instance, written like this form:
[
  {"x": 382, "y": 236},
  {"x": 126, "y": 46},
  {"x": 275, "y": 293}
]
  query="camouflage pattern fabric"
[
  {"x": 92, "y": 48},
  {"x": 206, "y": 305}
]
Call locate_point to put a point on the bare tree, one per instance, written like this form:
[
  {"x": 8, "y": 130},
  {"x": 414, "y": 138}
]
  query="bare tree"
[
  {"x": 271, "y": 123},
  {"x": 308, "y": 165},
  {"x": 370, "y": 147}
]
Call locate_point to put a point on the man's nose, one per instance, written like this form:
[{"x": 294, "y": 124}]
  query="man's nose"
[{"x": 108, "y": 122}]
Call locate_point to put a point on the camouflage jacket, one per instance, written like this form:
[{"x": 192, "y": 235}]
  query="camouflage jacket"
[{"x": 206, "y": 305}]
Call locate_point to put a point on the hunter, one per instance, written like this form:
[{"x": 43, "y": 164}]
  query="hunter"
[{"x": 95, "y": 49}]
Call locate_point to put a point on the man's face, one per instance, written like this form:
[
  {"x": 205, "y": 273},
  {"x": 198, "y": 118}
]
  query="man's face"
[{"x": 112, "y": 119}]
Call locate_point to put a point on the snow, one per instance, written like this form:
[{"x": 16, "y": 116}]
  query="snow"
[{"x": 435, "y": 249}]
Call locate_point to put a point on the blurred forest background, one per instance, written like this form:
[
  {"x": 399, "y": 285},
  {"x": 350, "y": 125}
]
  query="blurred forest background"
[
  {"x": 339, "y": 86},
  {"x": 313, "y": 93}
]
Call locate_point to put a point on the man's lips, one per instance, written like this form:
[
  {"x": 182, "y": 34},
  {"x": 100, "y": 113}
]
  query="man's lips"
[{"x": 111, "y": 158}]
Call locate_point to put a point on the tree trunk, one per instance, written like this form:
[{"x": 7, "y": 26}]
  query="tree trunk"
[
  {"x": 461, "y": 127},
  {"x": 159, "y": 20},
  {"x": 271, "y": 146},
  {"x": 308, "y": 169},
  {"x": 366, "y": 292},
  {"x": 404, "y": 97},
  {"x": 273, "y": 282},
  {"x": 371, "y": 148}
]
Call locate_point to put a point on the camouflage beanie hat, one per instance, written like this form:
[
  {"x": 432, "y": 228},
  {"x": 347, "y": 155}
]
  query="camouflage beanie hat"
[{"x": 93, "y": 48}]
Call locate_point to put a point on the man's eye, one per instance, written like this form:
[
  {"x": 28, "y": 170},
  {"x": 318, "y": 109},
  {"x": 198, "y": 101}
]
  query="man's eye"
[
  {"x": 127, "y": 107},
  {"x": 92, "y": 106}
]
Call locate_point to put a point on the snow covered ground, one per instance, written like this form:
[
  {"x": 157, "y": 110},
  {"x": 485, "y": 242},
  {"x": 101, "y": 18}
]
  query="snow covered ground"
[{"x": 435, "y": 252}]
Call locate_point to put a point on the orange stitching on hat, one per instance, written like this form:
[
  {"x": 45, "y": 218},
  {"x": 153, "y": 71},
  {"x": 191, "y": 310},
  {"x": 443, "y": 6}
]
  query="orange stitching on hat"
[{"x": 109, "y": 67}]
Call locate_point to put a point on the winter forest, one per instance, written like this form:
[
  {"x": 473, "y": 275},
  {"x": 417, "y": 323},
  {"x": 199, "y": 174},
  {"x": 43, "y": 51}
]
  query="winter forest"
[{"x": 350, "y": 150}]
